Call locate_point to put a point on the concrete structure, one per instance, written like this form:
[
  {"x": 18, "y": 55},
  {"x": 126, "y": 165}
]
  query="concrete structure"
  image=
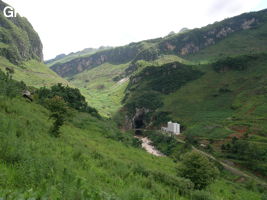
[{"x": 172, "y": 128}]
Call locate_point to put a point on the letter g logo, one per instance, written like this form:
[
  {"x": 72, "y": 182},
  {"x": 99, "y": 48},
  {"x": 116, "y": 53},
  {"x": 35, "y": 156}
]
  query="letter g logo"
[{"x": 9, "y": 12}]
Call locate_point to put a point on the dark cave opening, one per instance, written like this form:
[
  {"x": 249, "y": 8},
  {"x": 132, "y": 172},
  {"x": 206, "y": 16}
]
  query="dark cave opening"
[{"x": 139, "y": 124}]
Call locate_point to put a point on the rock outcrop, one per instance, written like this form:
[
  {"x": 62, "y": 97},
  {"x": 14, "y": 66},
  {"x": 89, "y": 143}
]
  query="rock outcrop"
[{"x": 19, "y": 39}]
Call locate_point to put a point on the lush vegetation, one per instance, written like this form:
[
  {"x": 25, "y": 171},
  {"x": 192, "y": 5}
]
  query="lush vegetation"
[
  {"x": 252, "y": 155},
  {"x": 59, "y": 112},
  {"x": 99, "y": 88},
  {"x": 58, "y": 147},
  {"x": 9, "y": 87},
  {"x": 71, "y": 96},
  {"x": 198, "y": 169},
  {"x": 91, "y": 159},
  {"x": 168, "y": 145}
]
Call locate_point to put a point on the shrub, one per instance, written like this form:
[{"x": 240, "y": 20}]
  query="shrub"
[
  {"x": 59, "y": 112},
  {"x": 198, "y": 169},
  {"x": 264, "y": 196},
  {"x": 201, "y": 195}
]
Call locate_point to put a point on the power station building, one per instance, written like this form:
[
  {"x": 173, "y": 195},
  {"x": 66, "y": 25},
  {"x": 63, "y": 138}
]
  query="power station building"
[{"x": 172, "y": 127}]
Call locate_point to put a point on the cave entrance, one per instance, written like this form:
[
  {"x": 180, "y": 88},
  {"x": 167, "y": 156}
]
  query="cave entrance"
[{"x": 139, "y": 124}]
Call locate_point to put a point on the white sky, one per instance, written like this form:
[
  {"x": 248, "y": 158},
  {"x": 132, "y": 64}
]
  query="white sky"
[{"x": 71, "y": 25}]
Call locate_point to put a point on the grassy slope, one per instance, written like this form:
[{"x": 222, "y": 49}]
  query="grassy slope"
[
  {"x": 33, "y": 73},
  {"x": 99, "y": 89},
  {"x": 244, "y": 42},
  {"x": 217, "y": 106},
  {"x": 205, "y": 110},
  {"x": 82, "y": 160},
  {"x": 105, "y": 94}
]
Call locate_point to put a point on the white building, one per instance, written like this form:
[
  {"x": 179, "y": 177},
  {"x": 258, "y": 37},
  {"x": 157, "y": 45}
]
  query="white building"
[{"x": 172, "y": 128}]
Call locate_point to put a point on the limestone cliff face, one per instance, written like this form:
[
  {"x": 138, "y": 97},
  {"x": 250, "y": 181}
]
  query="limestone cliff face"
[
  {"x": 19, "y": 41},
  {"x": 194, "y": 40},
  {"x": 115, "y": 56},
  {"x": 181, "y": 44}
]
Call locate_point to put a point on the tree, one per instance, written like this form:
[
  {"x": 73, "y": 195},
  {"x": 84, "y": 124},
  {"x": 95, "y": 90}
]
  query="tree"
[
  {"x": 59, "y": 112},
  {"x": 198, "y": 169}
]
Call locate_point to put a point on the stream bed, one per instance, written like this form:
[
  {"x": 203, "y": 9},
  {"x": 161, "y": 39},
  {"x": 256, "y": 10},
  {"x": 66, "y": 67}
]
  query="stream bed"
[{"x": 146, "y": 144}]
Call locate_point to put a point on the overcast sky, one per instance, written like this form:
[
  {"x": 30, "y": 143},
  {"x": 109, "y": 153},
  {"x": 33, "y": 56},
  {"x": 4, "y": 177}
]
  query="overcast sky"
[{"x": 71, "y": 25}]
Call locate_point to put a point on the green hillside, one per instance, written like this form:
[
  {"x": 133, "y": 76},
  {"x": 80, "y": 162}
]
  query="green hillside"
[
  {"x": 104, "y": 86},
  {"x": 214, "y": 103},
  {"x": 244, "y": 34},
  {"x": 61, "y": 142},
  {"x": 33, "y": 73},
  {"x": 91, "y": 159}
]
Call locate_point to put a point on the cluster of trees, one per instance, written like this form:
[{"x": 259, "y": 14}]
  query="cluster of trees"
[
  {"x": 253, "y": 155},
  {"x": 149, "y": 100},
  {"x": 170, "y": 77},
  {"x": 238, "y": 63},
  {"x": 58, "y": 99},
  {"x": 71, "y": 96}
]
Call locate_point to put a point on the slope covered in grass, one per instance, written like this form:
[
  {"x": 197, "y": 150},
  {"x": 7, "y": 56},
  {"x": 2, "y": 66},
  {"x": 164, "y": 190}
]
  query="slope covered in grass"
[
  {"x": 33, "y": 73},
  {"x": 100, "y": 88},
  {"x": 90, "y": 160},
  {"x": 213, "y": 102}
]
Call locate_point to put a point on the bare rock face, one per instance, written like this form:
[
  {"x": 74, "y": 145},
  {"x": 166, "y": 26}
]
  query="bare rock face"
[
  {"x": 224, "y": 32},
  {"x": 189, "y": 48},
  {"x": 170, "y": 47},
  {"x": 209, "y": 41},
  {"x": 247, "y": 24}
]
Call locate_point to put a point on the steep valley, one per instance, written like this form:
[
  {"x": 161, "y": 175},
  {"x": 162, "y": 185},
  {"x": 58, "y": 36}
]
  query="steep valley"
[
  {"x": 211, "y": 80},
  {"x": 68, "y": 127}
]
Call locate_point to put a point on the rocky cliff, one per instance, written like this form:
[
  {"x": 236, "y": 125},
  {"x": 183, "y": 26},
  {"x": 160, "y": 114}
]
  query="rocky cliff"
[
  {"x": 18, "y": 40},
  {"x": 181, "y": 44}
]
